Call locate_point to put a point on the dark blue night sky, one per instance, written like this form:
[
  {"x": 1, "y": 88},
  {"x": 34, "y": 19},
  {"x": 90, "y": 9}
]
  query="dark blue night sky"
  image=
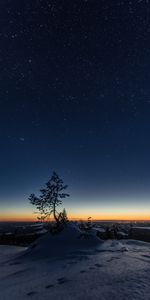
[{"x": 75, "y": 98}]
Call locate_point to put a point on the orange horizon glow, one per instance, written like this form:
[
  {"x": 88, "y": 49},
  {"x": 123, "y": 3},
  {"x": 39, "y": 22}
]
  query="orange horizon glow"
[{"x": 98, "y": 217}]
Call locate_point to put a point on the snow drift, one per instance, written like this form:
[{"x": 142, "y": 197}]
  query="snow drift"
[{"x": 69, "y": 240}]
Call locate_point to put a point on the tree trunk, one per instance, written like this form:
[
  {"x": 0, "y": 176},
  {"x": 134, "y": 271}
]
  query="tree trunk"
[{"x": 54, "y": 213}]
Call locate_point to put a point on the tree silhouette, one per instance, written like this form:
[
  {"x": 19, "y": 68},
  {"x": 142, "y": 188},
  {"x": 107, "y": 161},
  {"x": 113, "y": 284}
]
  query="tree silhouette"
[
  {"x": 51, "y": 197},
  {"x": 63, "y": 216}
]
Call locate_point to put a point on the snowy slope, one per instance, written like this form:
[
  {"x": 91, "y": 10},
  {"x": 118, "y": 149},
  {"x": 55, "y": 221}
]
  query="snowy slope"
[
  {"x": 69, "y": 240},
  {"x": 9, "y": 252},
  {"x": 100, "y": 271}
]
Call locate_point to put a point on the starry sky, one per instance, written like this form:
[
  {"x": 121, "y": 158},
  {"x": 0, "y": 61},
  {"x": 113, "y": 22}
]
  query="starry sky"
[{"x": 75, "y": 98}]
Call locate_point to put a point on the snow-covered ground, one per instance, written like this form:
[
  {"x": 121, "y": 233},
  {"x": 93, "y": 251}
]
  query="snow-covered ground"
[
  {"x": 141, "y": 227},
  {"x": 75, "y": 267}
]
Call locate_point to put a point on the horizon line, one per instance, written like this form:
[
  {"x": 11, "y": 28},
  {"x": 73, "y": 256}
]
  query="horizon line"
[{"x": 77, "y": 219}]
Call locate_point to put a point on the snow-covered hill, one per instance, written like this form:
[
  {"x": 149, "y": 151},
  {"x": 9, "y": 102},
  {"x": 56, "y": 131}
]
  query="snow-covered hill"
[
  {"x": 71, "y": 266},
  {"x": 69, "y": 240}
]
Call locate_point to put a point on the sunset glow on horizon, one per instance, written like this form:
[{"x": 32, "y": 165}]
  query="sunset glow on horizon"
[{"x": 79, "y": 214}]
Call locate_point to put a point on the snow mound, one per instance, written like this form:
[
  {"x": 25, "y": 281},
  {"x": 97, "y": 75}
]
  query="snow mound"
[
  {"x": 70, "y": 239},
  {"x": 117, "y": 246},
  {"x": 113, "y": 246}
]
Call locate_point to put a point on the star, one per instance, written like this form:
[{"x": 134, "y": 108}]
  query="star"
[{"x": 22, "y": 139}]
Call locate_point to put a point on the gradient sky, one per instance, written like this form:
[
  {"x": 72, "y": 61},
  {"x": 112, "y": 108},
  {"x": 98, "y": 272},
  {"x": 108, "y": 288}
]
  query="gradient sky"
[{"x": 75, "y": 98}]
